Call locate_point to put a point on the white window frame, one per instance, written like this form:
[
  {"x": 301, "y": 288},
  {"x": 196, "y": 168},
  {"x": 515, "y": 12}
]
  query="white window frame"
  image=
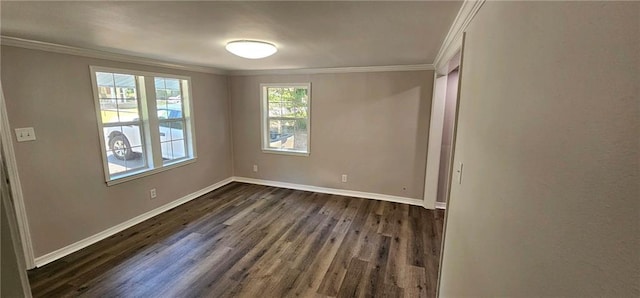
[
  {"x": 264, "y": 123},
  {"x": 149, "y": 123}
]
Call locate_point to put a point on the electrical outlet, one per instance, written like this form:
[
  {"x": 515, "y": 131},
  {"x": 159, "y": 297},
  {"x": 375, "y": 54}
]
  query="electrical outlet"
[
  {"x": 255, "y": 168},
  {"x": 344, "y": 178},
  {"x": 152, "y": 192}
]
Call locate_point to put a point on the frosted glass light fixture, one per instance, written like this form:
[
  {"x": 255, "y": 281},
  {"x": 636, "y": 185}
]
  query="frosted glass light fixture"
[{"x": 251, "y": 49}]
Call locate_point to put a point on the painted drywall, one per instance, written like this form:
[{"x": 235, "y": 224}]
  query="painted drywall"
[
  {"x": 65, "y": 193},
  {"x": 451, "y": 100},
  {"x": 549, "y": 203},
  {"x": 371, "y": 126}
]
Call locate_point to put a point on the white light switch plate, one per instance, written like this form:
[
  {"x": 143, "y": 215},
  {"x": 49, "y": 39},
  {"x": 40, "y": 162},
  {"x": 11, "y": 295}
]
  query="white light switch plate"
[{"x": 25, "y": 134}]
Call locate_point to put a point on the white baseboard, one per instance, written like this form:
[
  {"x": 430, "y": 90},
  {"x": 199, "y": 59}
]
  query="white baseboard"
[
  {"x": 69, "y": 249},
  {"x": 333, "y": 191},
  {"x": 441, "y": 205},
  {"x": 57, "y": 254}
]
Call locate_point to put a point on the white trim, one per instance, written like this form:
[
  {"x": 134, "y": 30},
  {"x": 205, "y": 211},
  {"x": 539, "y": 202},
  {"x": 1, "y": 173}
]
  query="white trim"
[
  {"x": 15, "y": 237},
  {"x": 16, "y": 186},
  {"x": 434, "y": 147},
  {"x": 412, "y": 67},
  {"x": 98, "y": 54},
  {"x": 134, "y": 72},
  {"x": 69, "y": 249},
  {"x": 441, "y": 205},
  {"x": 453, "y": 42},
  {"x": 57, "y": 254},
  {"x": 148, "y": 171},
  {"x": 12, "y": 224},
  {"x": 287, "y": 152},
  {"x": 333, "y": 191},
  {"x": 101, "y": 54},
  {"x": 148, "y": 123},
  {"x": 264, "y": 114}
]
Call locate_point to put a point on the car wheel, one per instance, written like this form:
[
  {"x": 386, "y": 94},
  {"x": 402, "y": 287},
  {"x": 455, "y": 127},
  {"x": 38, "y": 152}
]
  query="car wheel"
[{"x": 121, "y": 148}]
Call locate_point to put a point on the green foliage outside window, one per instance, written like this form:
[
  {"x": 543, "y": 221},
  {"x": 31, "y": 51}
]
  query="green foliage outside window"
[{"x": 290, "y": 103}]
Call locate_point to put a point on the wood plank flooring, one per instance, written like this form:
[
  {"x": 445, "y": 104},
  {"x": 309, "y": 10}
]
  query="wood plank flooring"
[{"x": 246, "y": 240}]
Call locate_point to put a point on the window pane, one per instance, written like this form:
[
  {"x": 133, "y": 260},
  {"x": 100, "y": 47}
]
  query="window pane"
[
  {"x": 168, "y": 98},
  {"x": 287, "y": 114},
  {"x": 128, "y": 110},
  {"x": 174, "y": 109},
  {"x": 124, "y": 148},
  {"x": 107, "y": 96},
  {"x": 177, "y": 131},
  {"x": 171, "y": 130},
  {"x": 274, "y": 104},
  {"x": 300, "y": 135},
  {"x": 120, "y": 108},
  {"x": 163, "y": 114},
  {"x": 124, "y": 81},
  {"x": 178, "y": 149},
  {"x": 172, "y": 150},
  {"x": 167, "y": 153},
  {"x": 281, "y": 134},
  {"x": 275, "y": 109},
  {"x": 287, "y": 102},
  {"x": 105, "y": 79},
  {"x": 118, "y": 97},
  {"x": 172, "y": 140}
]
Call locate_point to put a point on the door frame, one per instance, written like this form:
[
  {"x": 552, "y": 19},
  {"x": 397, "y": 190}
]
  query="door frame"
[
  {"x": 452, "y": 164},
  {"x": 451, "y": 45},
  {"x": 16, "y": 186},
  {"x": 8, "y": 211},
  {"x": 434, "y": 146}
]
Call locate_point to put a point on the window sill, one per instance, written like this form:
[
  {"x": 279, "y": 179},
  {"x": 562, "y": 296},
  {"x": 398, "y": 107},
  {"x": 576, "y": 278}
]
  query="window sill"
[
  {"x": 285, "y": 152},
  {"x": 149, "y": 172}
]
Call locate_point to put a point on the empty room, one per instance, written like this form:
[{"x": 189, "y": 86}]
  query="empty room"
[{"x": 320, "y": 149}]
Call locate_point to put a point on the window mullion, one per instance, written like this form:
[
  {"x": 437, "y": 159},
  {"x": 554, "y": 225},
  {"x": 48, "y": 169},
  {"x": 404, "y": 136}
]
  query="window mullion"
[
  {"x": 187, "y": 115},
  {"x": 116, "y": 124},
  {"x": 154, "y": 128}
]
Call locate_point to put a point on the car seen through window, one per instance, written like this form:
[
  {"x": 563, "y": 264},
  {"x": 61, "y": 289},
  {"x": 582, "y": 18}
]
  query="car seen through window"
[{"x": 120, "y": 139}]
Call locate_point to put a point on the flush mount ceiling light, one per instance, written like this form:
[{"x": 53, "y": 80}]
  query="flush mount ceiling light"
[{"x": 251, "y": 49}]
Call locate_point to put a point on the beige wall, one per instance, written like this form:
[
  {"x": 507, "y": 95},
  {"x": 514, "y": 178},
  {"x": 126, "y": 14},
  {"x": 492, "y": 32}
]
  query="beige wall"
[
  {"x": 548, "y": 133},
  {"x": 61, "y": 172},
  {"x": 371, "y": 126}
]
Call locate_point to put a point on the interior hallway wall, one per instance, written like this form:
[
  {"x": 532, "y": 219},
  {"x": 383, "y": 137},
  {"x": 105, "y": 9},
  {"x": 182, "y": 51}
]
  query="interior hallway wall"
[{"x": 548, "y": 134}]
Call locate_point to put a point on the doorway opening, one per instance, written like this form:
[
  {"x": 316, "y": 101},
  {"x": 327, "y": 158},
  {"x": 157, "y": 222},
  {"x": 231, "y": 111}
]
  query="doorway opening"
[
  {"x": 441, "y": 135},
  {"x": 446, "y": 151}
]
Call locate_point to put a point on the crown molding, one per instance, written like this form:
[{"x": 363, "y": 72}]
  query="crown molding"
[
  {"x": 298, "y": 71},
  {"x": 62, "y": 49},
  {"x": 453, "y": 42}
]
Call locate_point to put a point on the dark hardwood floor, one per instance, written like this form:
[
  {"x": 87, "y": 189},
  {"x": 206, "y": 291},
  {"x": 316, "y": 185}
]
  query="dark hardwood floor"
[{"x": 246, "y": 240}]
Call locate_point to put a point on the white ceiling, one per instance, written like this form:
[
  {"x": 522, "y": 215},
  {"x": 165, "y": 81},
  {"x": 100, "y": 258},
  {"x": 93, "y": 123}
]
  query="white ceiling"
[{"x": 308, "y": 34}]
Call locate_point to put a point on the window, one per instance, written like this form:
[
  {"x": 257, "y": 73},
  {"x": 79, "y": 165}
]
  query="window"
[
  {"x": 144, "y": 121},
  {"x": 286, "y": 118}
]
